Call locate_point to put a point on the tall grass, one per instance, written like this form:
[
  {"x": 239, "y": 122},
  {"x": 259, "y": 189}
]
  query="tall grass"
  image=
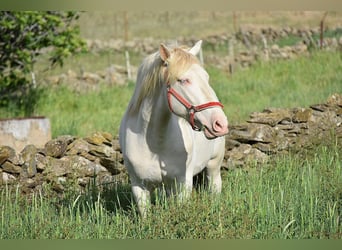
[
  {"x": 299, "y": 82},
  {"x": 289, "y": 198}
]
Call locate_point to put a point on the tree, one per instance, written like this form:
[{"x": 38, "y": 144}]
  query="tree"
[{"x": 23, "y": 37}]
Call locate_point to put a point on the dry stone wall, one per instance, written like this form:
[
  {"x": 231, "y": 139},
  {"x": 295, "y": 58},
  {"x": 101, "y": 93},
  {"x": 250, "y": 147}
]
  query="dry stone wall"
[
  {"x": 250, "y": 35},
  {"x": 71, "y": 161},
  {"x": 276, "y": 130},
  {"x": 64, "y": 161},
  {"x": 245, "y": 48}
]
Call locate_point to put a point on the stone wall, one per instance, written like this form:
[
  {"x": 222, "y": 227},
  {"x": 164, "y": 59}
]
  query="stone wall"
[
  {"x": 245, "y": 48},
  {"x": 68, "y": 160},
  {"x": 62, "y": 162},
  {"x": 250, "y": 35},
  {"x": 275, "y": 131}
]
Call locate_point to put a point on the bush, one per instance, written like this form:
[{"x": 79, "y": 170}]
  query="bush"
[{"x": 23, "y": 36}]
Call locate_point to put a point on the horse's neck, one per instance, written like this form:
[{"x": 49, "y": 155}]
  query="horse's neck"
[
  {"x": 160, "y": 115},
  {"x": 156, "y": 115}
]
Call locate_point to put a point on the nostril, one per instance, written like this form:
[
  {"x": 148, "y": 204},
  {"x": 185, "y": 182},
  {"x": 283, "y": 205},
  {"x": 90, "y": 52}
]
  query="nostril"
[
  {"x": 220, "y": 126},
  {"x": 217, "y": 126}
]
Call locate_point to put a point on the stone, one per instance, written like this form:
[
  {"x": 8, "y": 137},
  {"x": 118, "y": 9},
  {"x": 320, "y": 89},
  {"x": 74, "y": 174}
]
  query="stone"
[
  {"x": 66, "y": 138},
  {"x": 56, "y": 168},
  {"x": 230, "y": 143},
  {"x": 30, "y": 164},
  {"x": 271, "y": 116},
  {"x": 99, "y": 139},
  {"x": 88, "y": 156},
  {"x": 252, "y": 133},
  {"x": 41, "y": 162},
  {"x": 256, "y": 156},
  {"x": 108, "y": 136},
  {"x": 101, "y": 151},
  {"x": 82, "y": 167},
  {"x": 112, "y": 165},
  {"x": 11, "y": 168},
  {"x": 28, "y": 152},
  {"x": 78, "y": 147},
  {"x": 302, "y": 115},
  {"x": 7, "y": 178},
  {"x": 244, "y": 154},
  {"x": 9, "y": 154},
  {"x": 6, "y": 153},
  {"x": 56, "y": 148},
  {"x": 335, "y": 99},
  {"x": 29, "y": 169}
]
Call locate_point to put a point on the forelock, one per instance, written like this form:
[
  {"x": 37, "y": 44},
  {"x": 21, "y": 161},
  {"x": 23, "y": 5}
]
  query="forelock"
[{"x": 179, "y": 62}]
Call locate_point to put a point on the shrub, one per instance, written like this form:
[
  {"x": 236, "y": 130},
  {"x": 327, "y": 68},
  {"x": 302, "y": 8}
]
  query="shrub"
[{"x": 23, "y": 37}]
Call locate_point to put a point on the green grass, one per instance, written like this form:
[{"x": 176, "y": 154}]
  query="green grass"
[
  {"x": 298, "y": 82},
  {"x": 292, "y": 197},
  {"x": 82, "y": 114}
]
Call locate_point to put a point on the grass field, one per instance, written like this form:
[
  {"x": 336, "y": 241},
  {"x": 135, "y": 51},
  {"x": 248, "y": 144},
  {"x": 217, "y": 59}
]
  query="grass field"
[{"x": 292, "y": 197}]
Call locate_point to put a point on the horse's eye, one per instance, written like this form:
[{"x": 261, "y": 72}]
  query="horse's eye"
[{"x": 183, "y": 81}]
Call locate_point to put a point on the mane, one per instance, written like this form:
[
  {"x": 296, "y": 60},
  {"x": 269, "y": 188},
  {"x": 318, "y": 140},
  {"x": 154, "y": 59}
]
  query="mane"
[{"x": 152, "y": 74}]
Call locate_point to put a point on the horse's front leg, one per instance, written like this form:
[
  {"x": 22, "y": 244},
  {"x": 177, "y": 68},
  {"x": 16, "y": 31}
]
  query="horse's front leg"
[
  {"x": 183, "y": 188},
  {"x": 143, "y": 199},
  {"x": 213, "y": 171},
  {"x": 179, "y": 188}
]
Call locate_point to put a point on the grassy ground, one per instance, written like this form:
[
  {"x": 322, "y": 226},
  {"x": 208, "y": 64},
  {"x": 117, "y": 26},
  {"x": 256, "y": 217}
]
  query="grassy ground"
[{"x": 292, "y": 197}]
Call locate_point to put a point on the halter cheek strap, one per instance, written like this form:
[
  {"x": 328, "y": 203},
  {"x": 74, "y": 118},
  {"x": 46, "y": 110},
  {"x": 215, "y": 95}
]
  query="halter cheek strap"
[{"x": 189, "y": 107}]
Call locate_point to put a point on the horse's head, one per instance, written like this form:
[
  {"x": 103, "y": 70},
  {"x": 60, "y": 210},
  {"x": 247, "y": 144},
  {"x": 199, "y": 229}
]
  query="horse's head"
[{"x": 189, "y": 93}]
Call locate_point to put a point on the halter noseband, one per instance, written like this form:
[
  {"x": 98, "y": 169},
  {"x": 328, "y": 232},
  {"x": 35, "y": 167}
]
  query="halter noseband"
[{"x": 189, "y": 107}]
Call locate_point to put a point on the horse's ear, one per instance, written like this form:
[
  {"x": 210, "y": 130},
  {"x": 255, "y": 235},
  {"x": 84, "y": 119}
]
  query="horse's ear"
[
  {"x": 164, "y": 52},
  {"x": 196, "y": 49}
]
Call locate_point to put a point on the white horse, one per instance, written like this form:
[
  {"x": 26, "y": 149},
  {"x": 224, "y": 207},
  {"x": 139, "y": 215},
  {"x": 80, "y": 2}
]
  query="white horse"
[{"x": 173, "y": 127}]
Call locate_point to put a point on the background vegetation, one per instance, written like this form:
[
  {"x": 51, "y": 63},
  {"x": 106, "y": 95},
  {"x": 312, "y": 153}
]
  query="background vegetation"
[{"x": 25, "y": 36}]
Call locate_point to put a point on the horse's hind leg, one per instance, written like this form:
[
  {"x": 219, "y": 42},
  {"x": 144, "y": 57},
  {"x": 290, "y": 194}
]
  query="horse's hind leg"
[{"x": 142, "y": 198}]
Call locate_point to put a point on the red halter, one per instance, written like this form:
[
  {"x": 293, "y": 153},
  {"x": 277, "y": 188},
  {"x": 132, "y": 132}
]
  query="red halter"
[{"x": 189, "y": 107}]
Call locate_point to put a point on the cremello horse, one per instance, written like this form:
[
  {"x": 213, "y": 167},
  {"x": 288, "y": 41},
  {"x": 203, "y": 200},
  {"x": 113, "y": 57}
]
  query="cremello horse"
[{"x": 173, "y": 127}]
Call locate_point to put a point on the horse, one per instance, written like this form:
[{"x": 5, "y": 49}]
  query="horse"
[{"x": 173, "y": 127}]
